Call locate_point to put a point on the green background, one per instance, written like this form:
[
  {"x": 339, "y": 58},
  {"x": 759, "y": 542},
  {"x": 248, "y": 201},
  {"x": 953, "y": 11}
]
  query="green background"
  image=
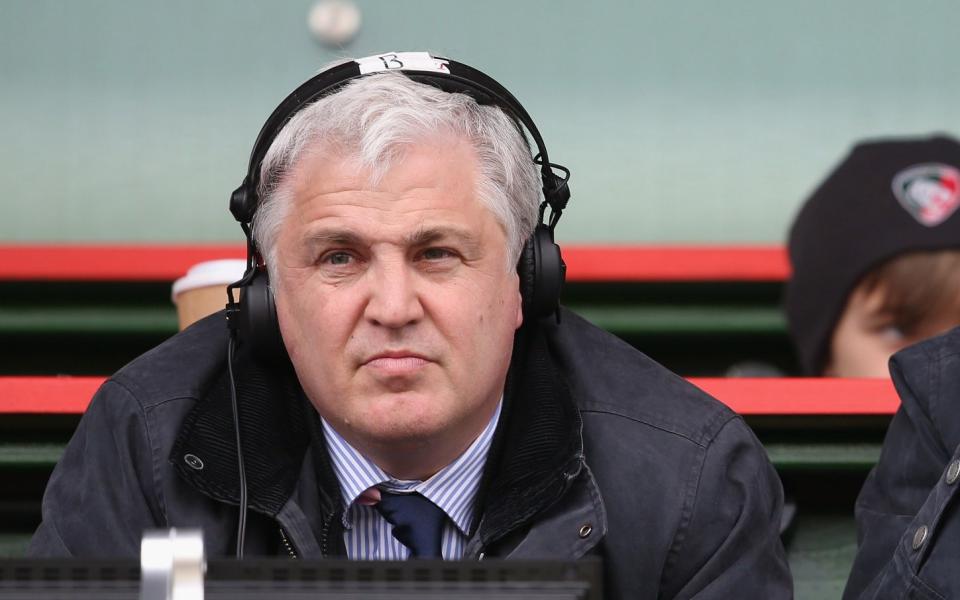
[{"x": 693, "y": 121}]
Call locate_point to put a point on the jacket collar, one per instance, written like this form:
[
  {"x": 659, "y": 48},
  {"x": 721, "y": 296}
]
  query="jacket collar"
[
  {"x": 536, "y": 453},
  {"x": 274, "y": 417}
]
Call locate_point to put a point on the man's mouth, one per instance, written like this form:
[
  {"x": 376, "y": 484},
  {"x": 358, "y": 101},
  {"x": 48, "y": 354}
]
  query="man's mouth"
[{"x": 397, "y": 363}]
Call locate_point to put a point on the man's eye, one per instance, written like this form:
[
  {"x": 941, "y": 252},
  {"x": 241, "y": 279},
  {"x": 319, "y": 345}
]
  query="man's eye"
[
  {"x": 436, "y": 253},
  {"x": 337, "y": 258},
  {"x": 892, "y": 334}
]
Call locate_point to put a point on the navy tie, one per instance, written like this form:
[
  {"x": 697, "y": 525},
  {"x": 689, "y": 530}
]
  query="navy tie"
[{"x": 417, "y": 522}]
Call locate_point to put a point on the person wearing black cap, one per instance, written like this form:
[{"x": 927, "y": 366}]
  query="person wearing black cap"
[
  {"x": 875, "y": 253},
  {"x": 876, "y": 267}
]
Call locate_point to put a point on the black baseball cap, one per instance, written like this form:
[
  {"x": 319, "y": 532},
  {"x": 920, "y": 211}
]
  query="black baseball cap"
[{"x": 887, "y": 197}]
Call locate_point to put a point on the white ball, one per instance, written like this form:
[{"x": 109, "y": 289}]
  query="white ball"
[{"x": 334, "y": 22}]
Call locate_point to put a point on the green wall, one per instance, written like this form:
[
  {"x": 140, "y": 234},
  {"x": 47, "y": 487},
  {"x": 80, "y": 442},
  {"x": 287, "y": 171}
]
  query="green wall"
[{"x": 128, "y": 120}]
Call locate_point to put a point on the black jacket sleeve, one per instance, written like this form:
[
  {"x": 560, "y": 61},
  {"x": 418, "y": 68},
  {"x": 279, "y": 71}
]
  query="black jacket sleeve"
[
  {"x": 911, "y": 462},
  {"x": 101, "y": 495},
  {"x": 729, "y": 543}
]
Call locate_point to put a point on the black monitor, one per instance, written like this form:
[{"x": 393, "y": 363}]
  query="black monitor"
[{"x": 286, "y": 579}]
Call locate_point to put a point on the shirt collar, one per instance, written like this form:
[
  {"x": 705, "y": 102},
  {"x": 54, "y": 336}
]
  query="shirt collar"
[{"x": 453, "y": 488}]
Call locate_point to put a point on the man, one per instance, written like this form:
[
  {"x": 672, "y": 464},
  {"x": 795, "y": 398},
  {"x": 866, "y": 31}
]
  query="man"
[
  {"x": 419, "y": 402},
  {"x": 875, "y": 253}
]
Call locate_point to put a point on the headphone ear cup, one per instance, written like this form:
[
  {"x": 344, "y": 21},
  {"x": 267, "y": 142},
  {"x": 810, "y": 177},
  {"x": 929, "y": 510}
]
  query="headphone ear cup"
[
  {"x": 258, "y": 324},
  {"x": 542, "y": 271},
  {"x": 527, "y": 272}
]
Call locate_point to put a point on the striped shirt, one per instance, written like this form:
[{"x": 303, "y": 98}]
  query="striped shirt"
[{"x": 367, "y": 535}]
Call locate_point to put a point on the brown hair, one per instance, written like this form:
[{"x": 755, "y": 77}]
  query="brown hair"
[{"x": 916, "y": 285}]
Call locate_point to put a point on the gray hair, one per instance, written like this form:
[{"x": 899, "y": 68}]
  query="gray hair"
[{"x": 374, "y": 118}]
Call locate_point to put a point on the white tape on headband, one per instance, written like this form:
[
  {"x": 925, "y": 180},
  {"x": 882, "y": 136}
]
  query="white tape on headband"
[{"x": 401, "y": 61}]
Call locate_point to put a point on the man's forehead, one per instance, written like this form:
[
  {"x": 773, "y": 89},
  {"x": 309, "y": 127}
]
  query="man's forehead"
[{"x": 429, "y": 195}]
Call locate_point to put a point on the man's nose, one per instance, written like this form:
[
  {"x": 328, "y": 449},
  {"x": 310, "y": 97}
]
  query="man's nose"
[{"x": 394, "y": 300}]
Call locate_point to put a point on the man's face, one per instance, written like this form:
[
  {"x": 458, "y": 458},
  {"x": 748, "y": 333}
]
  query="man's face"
[
  {"x": 866, "y": 335},
  {"x": 395, "y": 303}
]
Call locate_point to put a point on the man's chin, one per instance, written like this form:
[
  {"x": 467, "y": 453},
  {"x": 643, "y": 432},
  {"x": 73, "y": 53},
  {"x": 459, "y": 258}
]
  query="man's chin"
[
  {"x": 402, "y": 435},
  {"x": 408, "y": 409}
]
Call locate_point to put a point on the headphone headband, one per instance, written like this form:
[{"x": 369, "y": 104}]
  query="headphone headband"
[{"x": 442, "y": 73}]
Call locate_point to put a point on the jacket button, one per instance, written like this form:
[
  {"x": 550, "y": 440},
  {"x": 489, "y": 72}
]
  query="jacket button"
[
  {"x": 919, "y": 537},
  {"x": 586, "y": 530},
  {"x": 193, "y": 461},
  {"x": 953, "y": 472}
]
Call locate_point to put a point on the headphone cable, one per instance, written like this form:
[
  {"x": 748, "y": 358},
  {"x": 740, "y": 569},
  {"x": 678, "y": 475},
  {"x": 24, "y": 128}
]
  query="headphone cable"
[{"x": 242, "y": 521}]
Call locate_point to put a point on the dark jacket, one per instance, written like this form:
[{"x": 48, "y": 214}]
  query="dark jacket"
[
  {"x": 599, "y": 451},
  {"x": 908, "y": 525}
]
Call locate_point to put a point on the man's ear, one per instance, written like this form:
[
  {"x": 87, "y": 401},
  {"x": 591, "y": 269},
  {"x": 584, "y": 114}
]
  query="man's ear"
[{"x": 519, "y": 309}]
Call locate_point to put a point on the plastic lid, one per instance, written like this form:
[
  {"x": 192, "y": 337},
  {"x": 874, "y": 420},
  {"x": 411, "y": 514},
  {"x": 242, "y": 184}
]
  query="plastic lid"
[{"x": 211, "y": 272}]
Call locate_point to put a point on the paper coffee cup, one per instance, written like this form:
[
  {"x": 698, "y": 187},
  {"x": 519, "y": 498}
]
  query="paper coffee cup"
[{"x": 203, "y": 290}]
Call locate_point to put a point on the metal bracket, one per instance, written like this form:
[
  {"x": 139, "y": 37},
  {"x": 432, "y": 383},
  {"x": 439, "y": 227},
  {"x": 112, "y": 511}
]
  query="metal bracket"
[{"x": 172, "y": 565}]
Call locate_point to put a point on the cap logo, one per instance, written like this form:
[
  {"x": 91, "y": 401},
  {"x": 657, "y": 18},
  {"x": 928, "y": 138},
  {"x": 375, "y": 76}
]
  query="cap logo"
[{"x": 929, "y": 192}]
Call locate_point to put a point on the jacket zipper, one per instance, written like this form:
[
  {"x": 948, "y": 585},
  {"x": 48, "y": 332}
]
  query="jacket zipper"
[
  {"x": 287, "y": 544},
  {"x": 325, "y": 535},
  {"x": 323, "y": 542}
]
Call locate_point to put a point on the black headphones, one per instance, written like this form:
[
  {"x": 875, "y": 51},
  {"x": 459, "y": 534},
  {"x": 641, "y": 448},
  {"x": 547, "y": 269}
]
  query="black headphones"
[{"x": 541, "y": 268}]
